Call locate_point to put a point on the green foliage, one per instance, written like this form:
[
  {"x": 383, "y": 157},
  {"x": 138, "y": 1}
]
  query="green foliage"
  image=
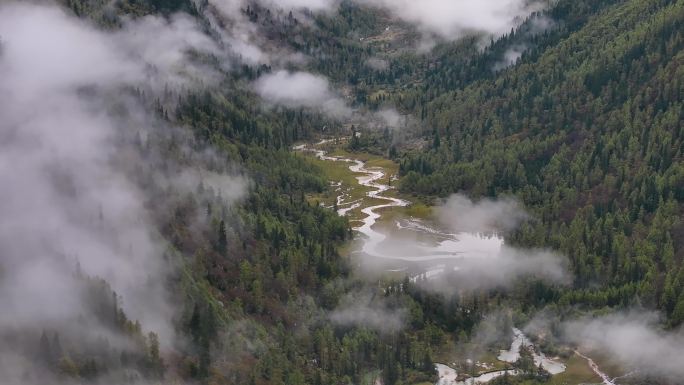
[
  {"x": 585, "y": 130},
  {"x": 587, "y": 133}
]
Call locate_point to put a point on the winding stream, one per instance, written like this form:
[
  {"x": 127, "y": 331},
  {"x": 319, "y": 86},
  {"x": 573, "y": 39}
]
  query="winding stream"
[
  {"x": 444, "y": 246},
  {"x": 551, "y": 365},
  {"x": 448, "y": 376},
  {"x": 595, "y": 368}
]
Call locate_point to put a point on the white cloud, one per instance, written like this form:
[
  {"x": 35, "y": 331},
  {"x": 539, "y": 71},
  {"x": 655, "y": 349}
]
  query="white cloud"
[
  {"x": 312, "y": 5},
  {"x": 301, "y": 89},
  {"x": 634, "y": 341},
  {"x": 64, "y": 199},
  {"x": 459, "y": 213},
  {"x": 510, "y": 57},
  {"x": 377, "y": 64},
  {"x": 367, "y": 310},
  {"x": 452, "y": 19}
]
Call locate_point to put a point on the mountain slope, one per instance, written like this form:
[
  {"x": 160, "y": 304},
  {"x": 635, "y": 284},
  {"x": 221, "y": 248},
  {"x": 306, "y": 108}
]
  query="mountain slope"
[{"x": 589, "y": 135}]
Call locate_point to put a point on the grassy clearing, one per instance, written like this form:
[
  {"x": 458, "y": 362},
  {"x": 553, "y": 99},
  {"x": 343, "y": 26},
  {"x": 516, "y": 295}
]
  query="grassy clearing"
[
  {"x": 419, "y": 210},
  {"x": 607, "y": 365},
  {"x": 490, "y": 357},
  {"x": 577, "y": 372},
  {"x": 340, "y": 172},
  {"x": 458, "y": 353},
  {"x": 415, "y": 210},
  {"x": 337, "y": 171}
]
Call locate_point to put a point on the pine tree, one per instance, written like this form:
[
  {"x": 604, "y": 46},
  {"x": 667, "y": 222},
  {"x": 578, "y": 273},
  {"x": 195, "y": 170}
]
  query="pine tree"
[
  {"x": 222, "y": 242},
  {"x": 45, "y": 350},
  {"x": 427, "y": 365},
  {"x": 155, "y": 362},
  {"x": 195, "y": 324},
  {"x": 56, "y": 348}
]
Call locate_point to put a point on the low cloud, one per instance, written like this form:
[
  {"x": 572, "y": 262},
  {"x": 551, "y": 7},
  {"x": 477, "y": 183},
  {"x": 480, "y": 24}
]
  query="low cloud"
[
  {"x": 466, "y": 252},
  {"x": 634, "y": 341},
  {"x": 241, "y": 37},
  {"x": 451, "y": 20},
  {"x": 392, "y": 118},
  {"x": 370, "y": 311},
  {"x": 233, "y": 6},
  {"x": 67, "y": 200},
  {"x": 460, "y": 213},
  {"x": 62, "y": 195},
  {"x": 247, "y": 39},
  {"x": 497, "y": 271},
  {"x": 166, "y": 55},
  {"x": 494, "y": 331},
  {"x": 510, "y": 57},
  {"x": 442, "y": 19},
  {"x": 230, "y": 187},
  {"x": 537, "y": 24},
  {"x": 301, "y": 89},
  {"x": 312, "y": 5},
  {"x": 377, "y": 64}
]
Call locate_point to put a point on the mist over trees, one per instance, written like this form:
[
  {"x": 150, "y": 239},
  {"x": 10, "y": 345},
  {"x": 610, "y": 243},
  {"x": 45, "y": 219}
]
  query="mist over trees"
[{"x": 156, "y": 226}]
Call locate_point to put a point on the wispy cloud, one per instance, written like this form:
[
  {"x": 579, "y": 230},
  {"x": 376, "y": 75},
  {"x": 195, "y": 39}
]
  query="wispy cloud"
[
  {"x": 633, "y": 340},
  {"x": 370, "y": 311},
  {"x": 66, "y": 195},
  {"x": 451, "y": 20},
  {"x": 301, "y": 89},
  {"x": 466, "y": 251},
  {"x": 460, "y": 213}
]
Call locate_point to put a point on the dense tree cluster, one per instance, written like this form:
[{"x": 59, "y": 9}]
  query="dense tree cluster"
[
  {"x": 588, "y": 135},
  {"x": 585, "y": 129}
]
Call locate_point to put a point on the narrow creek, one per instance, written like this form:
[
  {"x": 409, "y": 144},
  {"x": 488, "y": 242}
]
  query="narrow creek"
[
  {"x": 595, "y": 368},
  {"x": 370, "y": 177},
  {"x": 447, "y": 246},
  {"x": 443, "y": 245},
  {"x": 551, "y": 365}
]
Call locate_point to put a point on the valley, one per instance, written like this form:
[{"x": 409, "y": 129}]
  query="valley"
[
  {"x": 361, "y": 189},
  {"x": 342, "y": 192}
]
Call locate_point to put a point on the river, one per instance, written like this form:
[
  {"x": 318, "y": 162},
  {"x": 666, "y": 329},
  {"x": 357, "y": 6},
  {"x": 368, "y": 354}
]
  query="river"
[
  {"x": 443, "y": 246},
  {"x": 413, "y": 240},
  {"x": 551, "y": 365}
]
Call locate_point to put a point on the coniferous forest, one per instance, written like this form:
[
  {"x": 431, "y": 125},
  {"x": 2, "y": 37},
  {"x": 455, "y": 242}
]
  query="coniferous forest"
[{"x": 164, "y": 219}]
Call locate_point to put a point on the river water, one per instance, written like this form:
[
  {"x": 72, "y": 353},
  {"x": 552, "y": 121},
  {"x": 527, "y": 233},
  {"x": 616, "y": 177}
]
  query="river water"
[
  {"x": 442, "y": 246},
  {"x": 595, "y": 368},
  {"x": 551, "y": 365},
  {"x": 411, "y": 240}
]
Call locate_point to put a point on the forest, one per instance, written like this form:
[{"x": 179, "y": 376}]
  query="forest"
[{"x": 159, "y": 228}]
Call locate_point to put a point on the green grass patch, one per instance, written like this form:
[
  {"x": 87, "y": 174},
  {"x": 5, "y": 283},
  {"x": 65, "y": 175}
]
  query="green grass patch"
[
  {"x": 338, "y": 171},
  {"x": 419, "y": 210},
  {"x": 577, "y": 372}
]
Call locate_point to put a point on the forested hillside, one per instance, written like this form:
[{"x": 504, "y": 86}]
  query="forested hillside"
[
  {"x": 588, "y": 133},
  {"x": 159, "y": 228}
]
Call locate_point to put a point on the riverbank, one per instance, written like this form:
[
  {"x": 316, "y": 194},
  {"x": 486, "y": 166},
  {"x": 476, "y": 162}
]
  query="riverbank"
[
  {"x": 363, "y": 189},
  {"x": 346, "y": 193}
]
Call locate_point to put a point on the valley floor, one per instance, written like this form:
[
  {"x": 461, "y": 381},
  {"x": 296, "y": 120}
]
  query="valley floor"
[{"x": 362, "y": 189}]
